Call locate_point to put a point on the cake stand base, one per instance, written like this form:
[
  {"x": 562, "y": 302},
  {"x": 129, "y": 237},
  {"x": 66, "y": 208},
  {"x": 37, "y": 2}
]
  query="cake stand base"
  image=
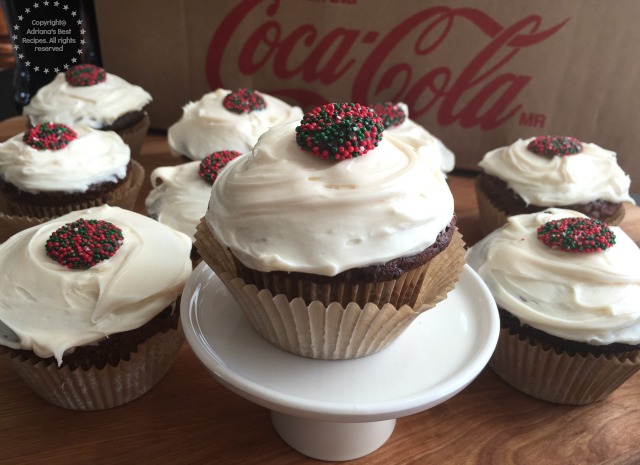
[{"x": 332, "y": 441}]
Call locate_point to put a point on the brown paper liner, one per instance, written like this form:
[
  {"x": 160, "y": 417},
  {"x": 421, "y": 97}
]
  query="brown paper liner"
[
  {"x": 124, "y": 196},
  {"x": 134, "y": 136},
  {"x": 559, "y": 378},
  {"x": 491, "y": 217},
  {"x": 111, "y": 386},
  {"x": 333, "y": 331}
]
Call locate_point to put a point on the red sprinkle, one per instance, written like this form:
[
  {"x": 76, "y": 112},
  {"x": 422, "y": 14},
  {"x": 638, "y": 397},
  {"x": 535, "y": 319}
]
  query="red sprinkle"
[
  {"x": 244, "y": 101},
  {"x": 390, "y": 113},
  {"x": 85, "y": 75},
  {"x": 584, "y": 235},
  {"x": 550, "y": 146},
  {"x": 84, "y": 243},
  {"x": 49, "y": 136},
  {"x": 211, "y": 165},
  {"x": 338, "y": 131}
]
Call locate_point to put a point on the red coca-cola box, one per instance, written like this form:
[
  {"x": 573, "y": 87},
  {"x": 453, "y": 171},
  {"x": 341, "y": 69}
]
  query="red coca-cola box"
[{"x": 479, "y": 75}]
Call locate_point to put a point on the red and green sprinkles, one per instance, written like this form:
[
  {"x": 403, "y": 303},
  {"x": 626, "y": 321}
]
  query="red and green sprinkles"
[
  {"x": 339, "y": 131},
  {"x": 244, "y": 101},
  {"x": 211, "y": 165},
  {"x": 49, "y": 136},
  {"x": 85, "y": 75},
  {"x": 583, "y": 235},
  {"x": 84, "y": 243},
  {"x": 550, "y": 146},
  {"x": 390, "y": 113}
]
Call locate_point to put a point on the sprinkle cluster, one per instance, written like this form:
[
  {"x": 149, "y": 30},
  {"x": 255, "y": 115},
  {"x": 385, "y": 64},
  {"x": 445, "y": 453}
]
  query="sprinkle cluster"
[
  {"x": 85, "y": 75},
  {"x": 244, "y": 101},
  {"x": 211, "y": 165},
  {"x": 84, "y": 243},
  {"x": 555, "y": 145},
  {"x": 49, "y": 136},
  {"x": 337, "y": 131},
  {"x": 577, "y": 235},
  {"x": 390, "y": 113}
]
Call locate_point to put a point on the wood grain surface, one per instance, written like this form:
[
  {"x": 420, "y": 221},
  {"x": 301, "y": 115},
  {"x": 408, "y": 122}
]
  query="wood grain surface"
[{"x": 189, "y": 418}]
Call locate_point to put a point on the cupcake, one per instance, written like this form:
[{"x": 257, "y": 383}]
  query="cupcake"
[
  {"x": 567, "y": 288},
  {"x": 52, "y": 169},
  {"x": 226, "y": 120},
  {"x": 180, "y": 194},
  {"x": 395, "y": 118},
  {"x": 89, "y": 96},
  {"x": 547, "y": 171},
  {"x": 92, "y": 330},
  {"x": 331, "y": 237}
]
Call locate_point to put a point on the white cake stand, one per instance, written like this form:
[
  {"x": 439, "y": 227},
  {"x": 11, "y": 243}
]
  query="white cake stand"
[{"x": 342, "y": 410}]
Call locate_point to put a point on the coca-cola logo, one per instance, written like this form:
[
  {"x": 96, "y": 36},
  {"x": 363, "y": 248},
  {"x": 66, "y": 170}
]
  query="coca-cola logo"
[{"x": 482, "y": 93}]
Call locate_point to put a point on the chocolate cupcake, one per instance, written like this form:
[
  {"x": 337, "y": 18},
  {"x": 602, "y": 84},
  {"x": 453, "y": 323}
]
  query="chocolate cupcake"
[
  {"x": 227, "y": 120},
  {"x": 332, "y": 237},
  {"x": 89, "y": 319},
  {"x": 567, "y": 287},
  {"x": 89, "y": 96},
  {"x": 548, "y": 171}
]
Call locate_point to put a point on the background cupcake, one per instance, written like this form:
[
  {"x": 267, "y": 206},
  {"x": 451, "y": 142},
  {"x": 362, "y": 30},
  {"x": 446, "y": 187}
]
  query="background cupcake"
[
  {"x": 52, "y": 169},
  {"x": 92, "y": 331},
  {"x": 227, "y": 120},
  {"x": 547, "y": 171},
  {"x": 89, "y": 96},
  {"x": 395, "y": 118},
  {"x": 567, "y": 287},
  {"x": 333, "y": 222}
]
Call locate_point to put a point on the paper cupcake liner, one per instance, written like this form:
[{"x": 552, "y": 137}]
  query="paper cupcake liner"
[
  {"x": 491, "y": 217},
  {"x": 134, "y": 136},
  {"x": 111, "y": 386},
  {"x": 559, "y": 378},
  {"x": 333, "y": 331},
  {"x": 123, "y": 196}
]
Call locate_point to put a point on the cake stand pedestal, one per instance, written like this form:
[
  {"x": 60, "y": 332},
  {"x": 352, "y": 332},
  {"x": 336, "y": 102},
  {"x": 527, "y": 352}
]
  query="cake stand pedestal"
[{"x": 341, "y": 410}]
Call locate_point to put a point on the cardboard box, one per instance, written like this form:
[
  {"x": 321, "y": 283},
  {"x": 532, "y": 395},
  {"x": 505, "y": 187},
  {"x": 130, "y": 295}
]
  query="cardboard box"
[{"x": 478, "y": 75}]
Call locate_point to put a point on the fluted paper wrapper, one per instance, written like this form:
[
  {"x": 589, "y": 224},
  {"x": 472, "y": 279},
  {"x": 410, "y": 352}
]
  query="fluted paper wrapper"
[
  {"x": 134, "y": 136},
  {"x": 333, "y": 331},
  {"x": 111, "y": 386},
  {"x": 123, "y": 196},
  {"x": 559, "y": 378},
  {"x": 491, "y": 217}
]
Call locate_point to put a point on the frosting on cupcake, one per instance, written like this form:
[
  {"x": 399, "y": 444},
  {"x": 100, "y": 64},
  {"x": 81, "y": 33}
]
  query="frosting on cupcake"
[
  {"x": 92, "y": 157},
  {"x": 564, "y": 179},
  {"x": 207, "y": 125},
  {"x": 95, "y": 105},
  {"x": 586, "y": 297},
  {"x": 50, "y": 308},
  {"x": 415, "y": 135},
  {"x": 281, "y": 208}
]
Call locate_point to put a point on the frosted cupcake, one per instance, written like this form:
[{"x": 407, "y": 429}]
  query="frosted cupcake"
[
  {"x": 52, "y": 169},
  {"x": 87, "y": 95},
  {"x": 332, "y": 237},
  {"x": 533, "y": 174},
  {"x": 226, "y": 120},
  {"x": 395, "y": 118},
  {"x": 567, "y": 287},
  {"x": 92, "y": 330},
  {"x": 180, "y": 194}
]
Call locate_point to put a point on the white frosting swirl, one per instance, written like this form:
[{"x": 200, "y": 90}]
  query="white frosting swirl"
[
  {"x": 207, "y": 127},
  {"x": 94, "y": 157},
  {"x": 52, "y": 309},
  {"x": 96, "y": 106},
  {"x": 414, "y": 134},
  {"x": 559, "y": 180},
  {"x": 281, "y": 208},
  {"x": 587, "y": 297},
  {"x": 179, "y": 196}
]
